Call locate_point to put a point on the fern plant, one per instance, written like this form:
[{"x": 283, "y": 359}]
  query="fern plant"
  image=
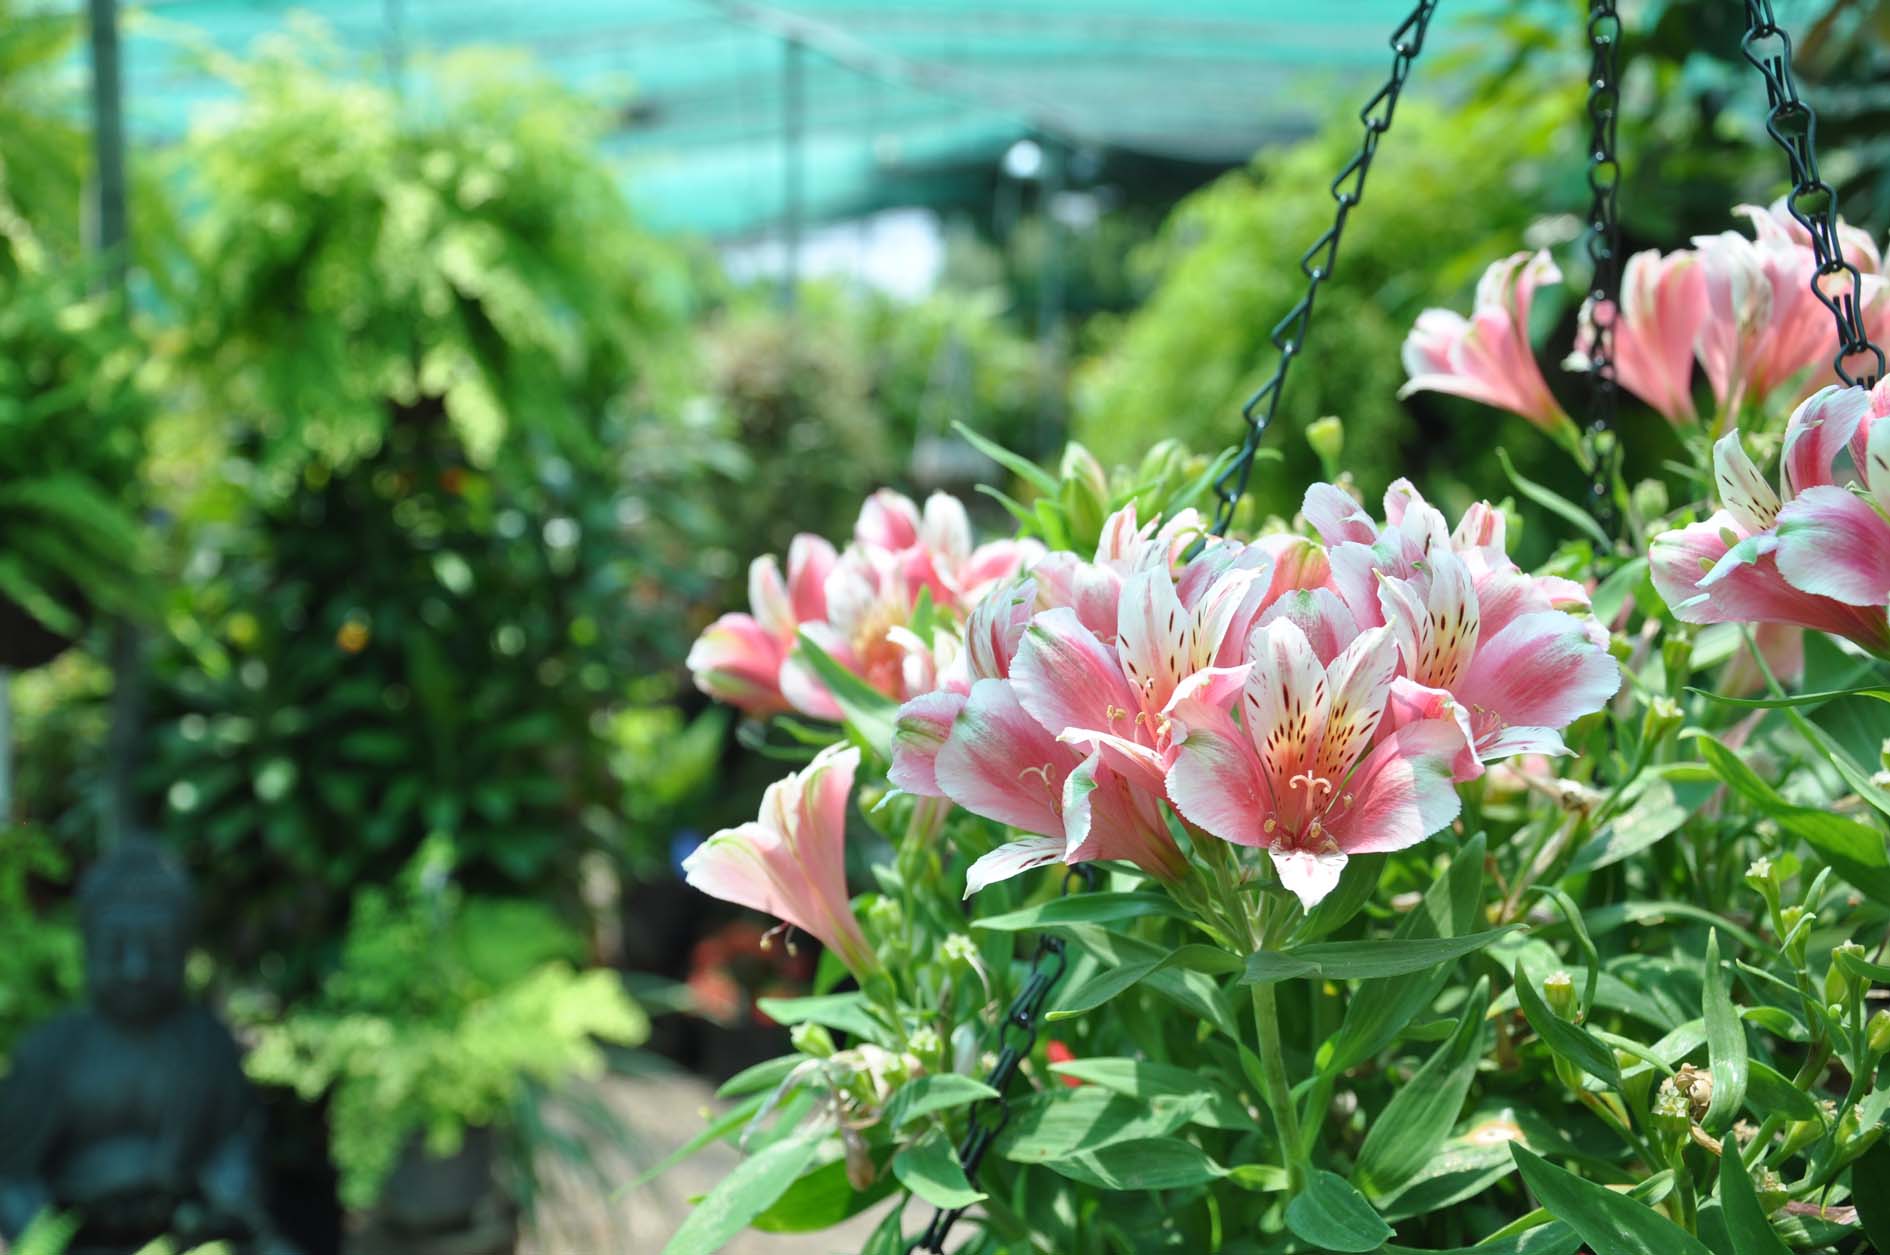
[{"x": 442, "y": 1016}]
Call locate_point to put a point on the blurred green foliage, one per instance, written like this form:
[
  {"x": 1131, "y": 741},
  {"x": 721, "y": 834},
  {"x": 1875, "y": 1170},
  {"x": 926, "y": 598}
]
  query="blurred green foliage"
[
  {"x": 39, "y": 949},
  {"x": 443, "y": 1009},
  {"x": 1449, "y": 192},
  {"x": 353, "y": 259}
]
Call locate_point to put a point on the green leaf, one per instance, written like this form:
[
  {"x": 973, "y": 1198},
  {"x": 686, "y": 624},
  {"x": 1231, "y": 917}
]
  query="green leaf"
[
  {"x": 1333, "y": 1216},
  {"x": 1767, "y": 1092},
  {"x": 1404, "y": 1137},
  {"x": 1870, "y": 1191},
  {"x": 1654, "y": 815},
  {"x": 1145, "y": 1079},
  {"x": 1357, "y": 882},
  {"x": 1364, "y": 960},
  {"x": 1751, "y": 1232},
  {"x": 1050, "y": 1125},
  {"x": 930, "y": 1169},
  {"x": 868, "y": 712},
  {"x": 846, "y": 1012},
  {"x": 1613, "y": 593},
  {"x": 1610, "y": 1223},
  {"x": 724, "y": 1125},
  {"x": 1856, "y": 851},
  {"x": 1554, "y": 1238},
  {"x": 742, "y": 1195},
  {"x": 940, "y": 1091},
  {"x": 764, "y": 1075},
  {"x": 1572, "y": 915},
  {"x": 820, "y": 1200},
  {"x": 1109, "y": 982},
  {"x": 1798, "y": 699},
  {"x": 1380, "y": 1009},
  {"x": 1086, "y": 908},
  {"x": 1194, "y": 991},
  {"x": 1555, "y": 504},
  {"x": 1725, "y": 1044},
  {"x": 1043, "y": 481},
  {"x": 1571, "y": 1041},
  {"x": 1157, "y": 1163}
]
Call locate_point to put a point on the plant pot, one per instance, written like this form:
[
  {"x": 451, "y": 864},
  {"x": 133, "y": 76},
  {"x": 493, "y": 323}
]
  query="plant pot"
[
  {"x": 432, "y": 1193},
  {"x": 25, "y": 642}
]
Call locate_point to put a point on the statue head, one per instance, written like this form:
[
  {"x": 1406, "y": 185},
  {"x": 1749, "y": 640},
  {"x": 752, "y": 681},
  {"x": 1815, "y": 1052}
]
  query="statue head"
[{"x": 135, "y": 907}]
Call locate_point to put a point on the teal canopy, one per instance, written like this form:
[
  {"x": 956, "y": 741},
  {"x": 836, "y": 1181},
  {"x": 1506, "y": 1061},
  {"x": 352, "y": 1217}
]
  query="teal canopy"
[{"x": 732, "y": 115}]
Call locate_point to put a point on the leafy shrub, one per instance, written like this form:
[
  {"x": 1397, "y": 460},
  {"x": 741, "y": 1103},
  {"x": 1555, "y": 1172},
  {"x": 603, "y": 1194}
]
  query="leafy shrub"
[{"x": 443, "y": 1010}]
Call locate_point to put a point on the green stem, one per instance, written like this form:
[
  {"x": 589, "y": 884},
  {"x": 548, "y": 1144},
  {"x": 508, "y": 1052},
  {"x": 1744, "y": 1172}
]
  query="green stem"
[{"x": 1279, "y": 1090}]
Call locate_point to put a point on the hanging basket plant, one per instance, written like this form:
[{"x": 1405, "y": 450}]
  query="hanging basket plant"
[{"x": 1401, "y": 898}]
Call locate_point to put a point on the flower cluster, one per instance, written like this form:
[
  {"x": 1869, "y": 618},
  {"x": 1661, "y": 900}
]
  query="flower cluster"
[
  {"x": 1316, "y": 699},
  {"x": 1743, "y": 308},
  {"x": 858, "y": 606},
  {"x": 1815, "y": 553}
]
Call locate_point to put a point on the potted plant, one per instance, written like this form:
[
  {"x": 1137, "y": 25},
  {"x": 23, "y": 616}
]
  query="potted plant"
[{"x": 444, "y": 1015}]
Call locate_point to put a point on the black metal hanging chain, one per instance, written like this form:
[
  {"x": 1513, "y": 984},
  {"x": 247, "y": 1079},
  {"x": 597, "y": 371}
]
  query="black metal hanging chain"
[
  {"x": 1289, "y": 334},
  {"x": 1017, "y": 1037},
  {"x": 1793, "y": 125},
  {"x": 1604, "y": 248}
]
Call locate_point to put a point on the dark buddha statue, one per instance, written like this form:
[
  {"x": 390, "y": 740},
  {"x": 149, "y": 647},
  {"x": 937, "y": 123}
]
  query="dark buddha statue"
[{"x": 133, "y": 1113}]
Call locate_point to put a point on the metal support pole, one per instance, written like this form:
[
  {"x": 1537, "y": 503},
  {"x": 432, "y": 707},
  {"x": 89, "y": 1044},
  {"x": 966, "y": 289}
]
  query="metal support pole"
[
  {"x": 1050, "y": 289},
  {"x": 793, "y": 127},
  {"x": 109, "y": 219}
]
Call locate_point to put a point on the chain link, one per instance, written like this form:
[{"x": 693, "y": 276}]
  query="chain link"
[
  {"x": 1017, "y": 1037},
  {"x": 1289, "y": 334},
  {"x": 1604, "y": 248},
  {"x": 1793, "y": 125}
]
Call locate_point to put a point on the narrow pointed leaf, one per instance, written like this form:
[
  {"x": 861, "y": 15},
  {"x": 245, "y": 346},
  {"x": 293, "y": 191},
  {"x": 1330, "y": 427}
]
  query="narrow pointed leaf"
[
  {"x": 940, "y": 1091},
  {"x": 1571, "y": 1041},
  {"x": 1610, "y": 1223},
  {"x": 931, "y": 1170},
  {"x": 1404, "y": 1138},
  {"x": 1751, "y": 1232},
  {"x": 742, "y": 1195},
  {"x": 1333, "y": 1216},
  {"x": 1725, "y": 1044},
  {"x": 1364, "y": 960},
  {"x": 869, "y": 712}
]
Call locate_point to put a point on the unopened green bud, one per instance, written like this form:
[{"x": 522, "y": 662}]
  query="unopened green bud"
[
  {"x": 1840, "y": 983},
  {"x": 1085, "y": 492},
  {"x": 1670, "y": 1110},
  {"x": 1164, "y": 460},
  {"x": 925, "y": 1044},
  {"x": 1558, "y": 990},
  {"x": 1676, "y": 655},
  {"x": 1797, "y": 923},
  {"x": 1849, "y": 1128},
  {"x": 1663, "y": 717},
  {"x": 885, "y": 917},
  {"x": 1798, "y": 1135},
  {"x": 812, "y": 1040},
  {"x": 1327, "y": 438},
  {"x": 1649, "y": 499},
  {"x": 1877, "y": 1035}
]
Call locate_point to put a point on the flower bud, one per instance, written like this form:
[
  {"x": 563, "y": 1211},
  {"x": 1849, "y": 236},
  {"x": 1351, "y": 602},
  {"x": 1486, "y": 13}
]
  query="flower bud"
[
  {"x": 1663, "y": 717},
  {"x": 1840, "y": 983},
  {"x": 1877, "y": 1035},
  {"x": 965, "y": 1049},
  {"x": 1327, "y": 438},
  {"x": 1676, "y": 656},
  {"x": 926, "y": 1046},
  {"x": 812, "y": 1040},
  {"x": 1649, "y": 499},
  {"x": 1085, "y": 492},
  {"x": 1670, "y": 1114},
  {"x": 1558, "y": 990}
]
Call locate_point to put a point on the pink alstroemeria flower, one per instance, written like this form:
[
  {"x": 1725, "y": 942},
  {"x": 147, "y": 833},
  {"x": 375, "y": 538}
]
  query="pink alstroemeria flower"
[
  {"x": 1301, "y": 776},
  {"x": 1725, "y": 569},
  {"x": 1663, "y": 306},
  {"x": 738, "y": 658},
  {"x": 790, "y": 861},
  {"x": 1492, "y": 654},
  {"x": 1487, "y": 357},
  {"x": 988, "y": 755},
  {"x": 1833, "y": 537}
]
